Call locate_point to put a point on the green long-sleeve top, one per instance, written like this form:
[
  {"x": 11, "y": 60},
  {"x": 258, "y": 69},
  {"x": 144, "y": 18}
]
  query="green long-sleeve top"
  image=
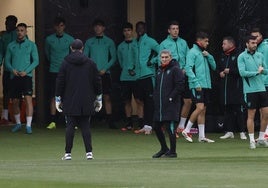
[
  {"x": 6, "y": 38},
  {"x": 198, "y": 68},
  {"x": 22, "y": 56},
  {"x": 263, "y": 48},
  {"x": 127, "y": 54},
  {"x": 56, "y": 48},
  {"x": 178, "y": 48},
  {"x": 102, "y": 51},
  {"x": 148, "y": 50},
  {"x": 248, "y": 65}
]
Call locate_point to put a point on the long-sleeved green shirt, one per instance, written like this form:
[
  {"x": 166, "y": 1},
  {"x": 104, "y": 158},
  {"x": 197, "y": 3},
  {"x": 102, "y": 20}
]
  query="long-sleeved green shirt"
[
  {"x": 263, "y": 48},
  {"x": 6, "y": 38},
  {"x": 56, "y": 48},
  {"x": 198, "y": 68},
  {"x": 147, "y": 46},
  {"x": 248, "y": 65},
  {"x": 102, "y": 51},
  {"x": 22, "y": 56},
  {"x": 178, "y": 48},
  {"x": 127, "y": 54}
]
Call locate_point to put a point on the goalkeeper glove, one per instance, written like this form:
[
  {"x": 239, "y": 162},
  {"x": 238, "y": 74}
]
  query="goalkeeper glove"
[
  {"x": 98, "y": 103},
  {"x": 58, "y": 103}
]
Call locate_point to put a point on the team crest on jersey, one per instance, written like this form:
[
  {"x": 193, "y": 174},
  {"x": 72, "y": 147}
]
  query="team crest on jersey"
[
  {"x": 233, "y": 58},
  {"x": 168, "y": 71}
]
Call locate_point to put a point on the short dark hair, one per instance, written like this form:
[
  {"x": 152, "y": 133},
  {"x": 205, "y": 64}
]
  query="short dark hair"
[
  {"x": 173, "y": 22},
  {"x": 249, "y": 37},
  {"x": 58, "y": 20},
  {"x": 201, "y": 35},
  {"x": 12, "y": 18},
  {"x": 98, "y": 22},
  {"x": 230, "y": 39},
  {"x": 141, "y": 23},
  {"x": 127, "y": 25},
  {"x": 22, "y": 25},
  {"x": 256, "y": 29}
]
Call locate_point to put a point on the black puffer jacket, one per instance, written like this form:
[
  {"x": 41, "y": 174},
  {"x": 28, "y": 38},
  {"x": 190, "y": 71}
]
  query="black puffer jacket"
[
  {"x": 78, "y": 82},
  {"x": 231, "y": 86},
  {"x": 167, "y": 99}
]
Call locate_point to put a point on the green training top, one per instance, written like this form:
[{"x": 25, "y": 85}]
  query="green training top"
[
  {"x": 102, "y": 51},
  {"x": 198, "y": 68},
  {"x": 178, "y": 48},
  {"x": 248, "y": 65},
  {"x": 21, "y": 56},
  {"x": 56, "y": 48},
  {"x": 127, "y": 54}
]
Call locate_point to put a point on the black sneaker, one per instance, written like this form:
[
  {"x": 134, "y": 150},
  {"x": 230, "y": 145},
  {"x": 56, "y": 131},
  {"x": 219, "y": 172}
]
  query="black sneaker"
[
  {"x": 128, "y": 127},
  {"x": 170, "y": 155},
  {"x": 112, "y": 125},
  {"x": 160, "y": 153}
]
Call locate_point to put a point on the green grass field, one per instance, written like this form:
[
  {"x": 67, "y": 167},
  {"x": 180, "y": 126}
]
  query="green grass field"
[{"x": 124, "y": 160}]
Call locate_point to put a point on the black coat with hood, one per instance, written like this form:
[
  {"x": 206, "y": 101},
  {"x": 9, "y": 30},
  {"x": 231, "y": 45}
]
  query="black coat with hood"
[
  {"x": 78, "y": 82},
  {"x": 167, "y": 93}
]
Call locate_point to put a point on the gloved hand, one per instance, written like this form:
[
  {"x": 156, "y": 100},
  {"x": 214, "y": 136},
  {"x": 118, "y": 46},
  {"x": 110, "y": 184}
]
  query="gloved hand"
[
  {"x": 98, "y": 103},
  {"x": 58, "y": 103},
  {"x": 131, "y": 72}
]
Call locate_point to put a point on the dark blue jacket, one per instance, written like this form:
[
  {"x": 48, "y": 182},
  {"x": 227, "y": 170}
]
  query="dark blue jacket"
[{"x": 167, "y": 94}]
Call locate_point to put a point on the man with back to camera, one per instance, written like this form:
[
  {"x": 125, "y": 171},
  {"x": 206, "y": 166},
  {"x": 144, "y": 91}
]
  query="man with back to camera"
[{"x": 79, "y": 93}]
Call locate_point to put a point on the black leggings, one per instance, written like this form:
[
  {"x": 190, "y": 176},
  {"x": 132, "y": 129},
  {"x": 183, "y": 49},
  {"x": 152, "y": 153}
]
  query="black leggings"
[
  {"x": 170, "y": 127},
  {"x": 84, "y": 123}
]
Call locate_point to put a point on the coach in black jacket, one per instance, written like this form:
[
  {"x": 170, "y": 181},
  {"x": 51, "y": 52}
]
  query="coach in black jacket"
[
  {"x": 167, "y": 101},
  {"x": 231, "y": 90},
  {"x": 78, "y": 90}
]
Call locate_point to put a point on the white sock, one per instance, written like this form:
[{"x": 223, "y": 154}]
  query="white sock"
[
  {"x": 29, "y": 120},
  {"x": 5, "y": 114},
  {"x": 266, "y": 131},
  {"x": 251, "y": 137},
  {"x": 261, "y": 135},
  {"x": 188, "y": 126},
  {"x": 17, "y": 118},
  {"x": 201, "y": 130},
  {"x": 182, "y": 123}
]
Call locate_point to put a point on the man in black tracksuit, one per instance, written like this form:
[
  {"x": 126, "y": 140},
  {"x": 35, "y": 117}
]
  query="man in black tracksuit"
[
  {"x": 79, "y": 91},
  {"x": 231, "y": 90},
  {"x": 167, "y": 100}
]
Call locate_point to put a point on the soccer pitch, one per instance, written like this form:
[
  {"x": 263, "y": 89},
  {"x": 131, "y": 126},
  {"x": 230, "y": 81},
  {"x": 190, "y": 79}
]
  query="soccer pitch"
[{"x": 123, "y": 159}]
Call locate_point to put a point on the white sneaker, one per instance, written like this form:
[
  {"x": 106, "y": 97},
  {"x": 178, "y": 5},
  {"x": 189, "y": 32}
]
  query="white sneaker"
[
  {"x": 243, "y": 136},
  {"x": 89, "y": 155},
  {"x": 252, "y": 145},
  {"x": 67, "y": 156},
  {"x": 186, "y": 136},
  {"x": 227, "y": 135},
  {"x": 147, "y": 129},
  {"x": 262, "y": 143},
  {"x": 206, "y": 140}
]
